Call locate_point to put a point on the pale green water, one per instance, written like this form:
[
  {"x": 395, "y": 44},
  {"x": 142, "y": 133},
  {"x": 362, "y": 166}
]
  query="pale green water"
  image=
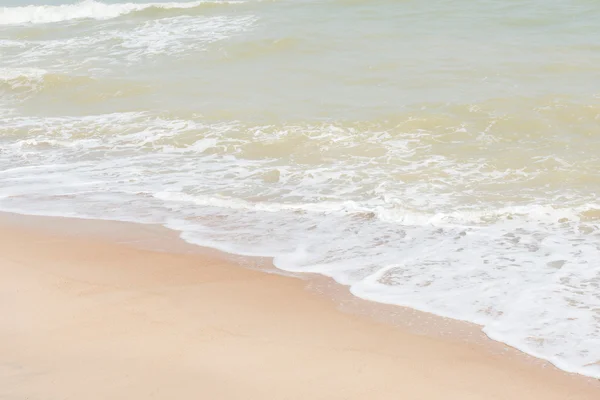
[{"x": 442, "y": 155}]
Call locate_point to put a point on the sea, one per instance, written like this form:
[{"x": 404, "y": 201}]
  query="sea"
[{"x": 441, "y": 155}]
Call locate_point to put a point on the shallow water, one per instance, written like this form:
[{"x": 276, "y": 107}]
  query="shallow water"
[{"x": 440, "y": 155}]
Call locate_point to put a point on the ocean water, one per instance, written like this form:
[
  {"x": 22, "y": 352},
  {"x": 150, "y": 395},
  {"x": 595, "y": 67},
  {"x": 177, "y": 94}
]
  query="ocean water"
[{"x": 442, "y": 155}]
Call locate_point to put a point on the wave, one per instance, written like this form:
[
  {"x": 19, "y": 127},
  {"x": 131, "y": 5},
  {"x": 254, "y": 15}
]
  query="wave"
[
  {"x": 21, "y": 76},
  {"x": 29, "y": 80},
  {"x": 23, "y": 84},
  {"x": 88, "y": 9},
  {"x": 176, "y": 36}
]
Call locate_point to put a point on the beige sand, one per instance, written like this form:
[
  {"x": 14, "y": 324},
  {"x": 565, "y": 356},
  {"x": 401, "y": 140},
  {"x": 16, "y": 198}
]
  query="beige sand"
[{"x": 87, "y": 318}]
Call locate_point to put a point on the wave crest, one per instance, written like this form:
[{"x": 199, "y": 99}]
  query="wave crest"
[{"x": 87, "y": 9}]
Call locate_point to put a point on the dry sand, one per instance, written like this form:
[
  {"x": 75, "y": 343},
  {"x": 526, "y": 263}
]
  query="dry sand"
[{"x": 88, "y": 314}]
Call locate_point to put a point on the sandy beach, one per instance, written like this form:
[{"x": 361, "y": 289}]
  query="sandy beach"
[{"x": 89, "y": 313}]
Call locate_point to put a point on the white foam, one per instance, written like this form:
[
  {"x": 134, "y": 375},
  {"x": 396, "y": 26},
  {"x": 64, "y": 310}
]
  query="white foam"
[{"x": 87, "y": 9}]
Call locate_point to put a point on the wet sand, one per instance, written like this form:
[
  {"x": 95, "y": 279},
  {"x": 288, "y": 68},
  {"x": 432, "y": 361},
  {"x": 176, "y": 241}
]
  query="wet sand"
[{"x": 102, "y": 310}]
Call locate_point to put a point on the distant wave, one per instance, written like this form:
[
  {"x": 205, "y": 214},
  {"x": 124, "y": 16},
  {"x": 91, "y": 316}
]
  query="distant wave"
[
  {"x": 22, "y": 84},
  {"x": 28, "y": 80},
  {"x": 21, "y": 79},
  {"x": 87, "y": 9}
]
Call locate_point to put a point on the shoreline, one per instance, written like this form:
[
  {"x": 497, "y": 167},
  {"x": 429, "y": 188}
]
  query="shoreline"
[{"x": 126, "y": 295}]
